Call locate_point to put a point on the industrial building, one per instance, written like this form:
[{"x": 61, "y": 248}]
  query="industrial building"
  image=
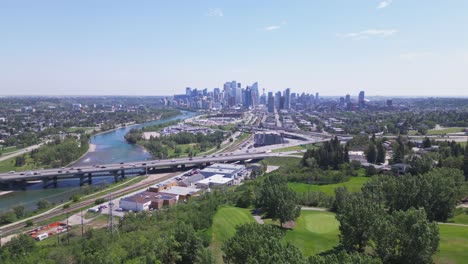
[
  {"x": 268, "y": 138},
  {"x": 227, "y": 170},
  {"x": 184, "y": 193},
  {"x": 215, "y": 181},
  {"x": 147, "y": 200}
]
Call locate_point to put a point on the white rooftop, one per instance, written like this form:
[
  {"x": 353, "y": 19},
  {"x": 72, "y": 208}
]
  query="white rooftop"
[
  {"x": 217, "y": 179},
  {"x": 180, "y": 190}
]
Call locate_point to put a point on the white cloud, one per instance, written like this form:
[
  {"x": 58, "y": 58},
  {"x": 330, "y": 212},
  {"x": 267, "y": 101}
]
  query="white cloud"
[
  {"x": 271, "y": 28},
  {"x": 274, "y": 27},
  {"x": 384, "y": 4},
  {"x": 369, "y": 33},
  {"x": 215, "y": 12},
  {"x": 417, "y": 55}
]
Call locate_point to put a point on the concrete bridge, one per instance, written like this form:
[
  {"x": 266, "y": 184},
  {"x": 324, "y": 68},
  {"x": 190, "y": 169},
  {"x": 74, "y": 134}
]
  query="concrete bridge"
[{"x": 119, "y": 171}]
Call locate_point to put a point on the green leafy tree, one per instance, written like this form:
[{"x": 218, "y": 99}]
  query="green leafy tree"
[
  {"x": 356, "y": 215},
  {"x": 371, "y": 153},
  {"x": 20, "y": 246},
  {"x": 406, "y": 237},
  {"x": 19, "y": 210},
  {"x": 381, "y": 153},
  {"x": 426, "y": 143},
  {"x": 465, "y": 163},
  {"x": 278, "y": 200},
  {"x": 255, "y": 243},
  {"x": 344, "y": 257},
  {"x": 436, "y": 191},
  {"x": 42, "y": 204}
]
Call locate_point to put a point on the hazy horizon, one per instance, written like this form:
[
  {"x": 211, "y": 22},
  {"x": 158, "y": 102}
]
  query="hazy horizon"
[{"x": 386, "y": 48}]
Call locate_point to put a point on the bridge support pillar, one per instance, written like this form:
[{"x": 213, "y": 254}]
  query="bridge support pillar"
[
  {"x": 122, "y": 174},
  {"x": 47, "y": 183},
  {"x": 85, "y": 178},
  {"x": 174, "y": 168},
  {"x": 182, "y": 166}
]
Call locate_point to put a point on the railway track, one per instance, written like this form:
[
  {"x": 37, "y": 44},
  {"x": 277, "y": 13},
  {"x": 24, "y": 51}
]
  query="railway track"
[{"x": 15, "y": 227}]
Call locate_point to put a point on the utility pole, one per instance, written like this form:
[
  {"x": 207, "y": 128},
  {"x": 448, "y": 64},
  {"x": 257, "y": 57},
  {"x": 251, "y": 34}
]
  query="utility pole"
[
  {"x": 82, "y": 223},
  {"x": 111, "y": 216},
  {"x": 68, "y": 230},
  {"x": 58, "y": 235}
]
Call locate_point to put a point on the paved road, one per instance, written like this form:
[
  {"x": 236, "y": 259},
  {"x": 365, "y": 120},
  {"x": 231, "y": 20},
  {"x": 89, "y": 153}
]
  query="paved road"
[
  {"x": 238, "y": 155},
  {"x": 19, "y": 152}
]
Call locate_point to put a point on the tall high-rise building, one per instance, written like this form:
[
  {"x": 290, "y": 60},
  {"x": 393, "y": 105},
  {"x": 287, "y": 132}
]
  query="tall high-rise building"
[
  {"x": 271, "y": 102},
  {"x": 255, "y": 94},
  {"x": 216, "y": 95},
  {"x": 362, "y": 102},
  {"x": 348, "y": 99},
  {"x": 316, "y": 96},
  {"x": 247, "y": 100},
  {"x": 287, "y": 98},
  {"x": 278, "y": 100},
  {"x": 188, "y": 91},
  {"x": 263, "y": 98}
]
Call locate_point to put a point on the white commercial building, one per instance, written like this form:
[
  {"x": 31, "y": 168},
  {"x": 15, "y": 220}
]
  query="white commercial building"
[{"x": 214, "y": 181}]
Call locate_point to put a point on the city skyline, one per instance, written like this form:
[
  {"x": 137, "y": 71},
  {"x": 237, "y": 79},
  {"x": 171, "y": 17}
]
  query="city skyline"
[{"x": 387, "y": 48}]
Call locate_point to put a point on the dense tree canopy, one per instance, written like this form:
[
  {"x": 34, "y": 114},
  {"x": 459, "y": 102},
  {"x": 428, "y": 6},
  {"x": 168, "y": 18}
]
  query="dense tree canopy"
[
  {"x": 255, "y": 243},
  {"x": 278, "y": 200}
]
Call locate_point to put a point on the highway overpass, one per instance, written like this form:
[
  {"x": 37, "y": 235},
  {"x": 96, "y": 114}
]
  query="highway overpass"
[{"x": 119, "y": 170}]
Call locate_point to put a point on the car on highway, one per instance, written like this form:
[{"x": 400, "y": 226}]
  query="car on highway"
[
  {"x": 59, "y": 171},
  {"x": 103, "y": 167},
  {"x": 143, "y": 164},
  {"x": 172, "y": 160}
]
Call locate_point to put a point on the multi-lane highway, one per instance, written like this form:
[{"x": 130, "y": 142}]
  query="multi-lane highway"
[{"x": 76, "y": 172}]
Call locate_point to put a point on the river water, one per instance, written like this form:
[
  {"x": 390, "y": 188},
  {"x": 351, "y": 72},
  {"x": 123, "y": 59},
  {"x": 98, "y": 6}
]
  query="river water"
[{"x": 111, "y": 147}]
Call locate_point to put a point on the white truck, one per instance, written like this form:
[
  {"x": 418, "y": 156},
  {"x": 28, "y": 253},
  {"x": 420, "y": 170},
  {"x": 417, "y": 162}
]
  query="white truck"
[{"x": 42, "y": 236}]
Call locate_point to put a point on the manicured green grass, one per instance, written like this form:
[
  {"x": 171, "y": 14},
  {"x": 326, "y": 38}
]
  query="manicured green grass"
[
  {"x": 314, "y": 232},
  {"x": 7, "y": 150},
  {"x": 453, "y": 247},
  {"x": 293, "y": 148},
  {"x": 224, "y": 223},
  {"x": 445, "y": 130},
  {"x": 461, "y": 216},
  {"x": 353, "y": 185},
  {"x": 282, "y": 161},
  {"x": 9, "y": 165}
]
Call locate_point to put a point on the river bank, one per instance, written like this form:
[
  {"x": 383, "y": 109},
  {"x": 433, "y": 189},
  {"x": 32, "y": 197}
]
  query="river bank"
[{"x": 104, "y": 148}]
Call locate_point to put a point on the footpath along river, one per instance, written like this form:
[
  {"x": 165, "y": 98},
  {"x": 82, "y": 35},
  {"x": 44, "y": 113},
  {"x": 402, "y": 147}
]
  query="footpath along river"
[{"x": 107, "y": 147}]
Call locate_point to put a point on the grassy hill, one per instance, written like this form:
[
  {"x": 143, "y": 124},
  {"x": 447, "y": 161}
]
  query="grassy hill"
[
  {"x": 353, "y": 185},
  {"x": 224, "y": 223}
]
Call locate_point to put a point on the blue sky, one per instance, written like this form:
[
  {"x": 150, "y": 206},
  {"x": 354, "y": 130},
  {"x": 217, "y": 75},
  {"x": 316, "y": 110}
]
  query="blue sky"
[{"x": 160, "y": 47}]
